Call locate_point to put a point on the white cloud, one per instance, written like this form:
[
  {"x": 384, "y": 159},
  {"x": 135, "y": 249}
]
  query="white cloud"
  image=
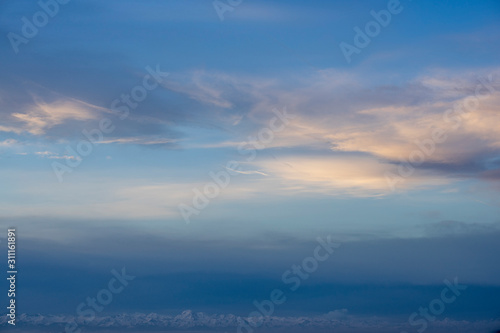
[
  {"x": 8, "y": 143},
  {"x": 43, "y": 116},
  {"x": 140, "y": 141},
  {"x": 361, "y": 176}
]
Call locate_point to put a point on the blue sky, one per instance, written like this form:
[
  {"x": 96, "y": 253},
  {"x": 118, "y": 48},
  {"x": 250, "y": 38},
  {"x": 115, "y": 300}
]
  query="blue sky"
[{"x": 394, "y": 153}]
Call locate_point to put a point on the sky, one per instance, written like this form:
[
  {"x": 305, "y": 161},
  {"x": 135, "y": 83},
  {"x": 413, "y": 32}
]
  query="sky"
[{"x": 207, "y": 147}]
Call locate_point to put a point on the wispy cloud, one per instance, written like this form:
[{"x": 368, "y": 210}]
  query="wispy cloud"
[
  {"x": 141, "y": 141},
  {"x": 8, "y": 142},
  {"x": 43, "y": 116},
  {"x": 56, "y": 156}
]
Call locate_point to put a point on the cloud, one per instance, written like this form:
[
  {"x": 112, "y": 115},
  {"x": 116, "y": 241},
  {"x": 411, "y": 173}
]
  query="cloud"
[
  {"x": 141, "y": 141},
  {"x": 52, "y": 155},
  {"x": 355, "y": 175},
  {"x": 371, "y": 120},
  {"x": 124, "y": 198},
  {"x": 43, "y": 116},
  {"x": 457, "y": 228},
  {"x": 201, "y": 88},
  {"x": 336, "y": 113},
  {"x": 358, "y": 175},
  {"x": 8, "y": 142},
  {"x": 247, "y": 172},
  {"x": 396, "y": 132},
  {"x": 448, "y": 118}
]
